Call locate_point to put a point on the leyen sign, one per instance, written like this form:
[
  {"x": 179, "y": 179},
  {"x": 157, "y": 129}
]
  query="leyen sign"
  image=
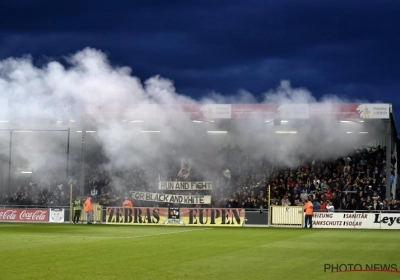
[
  {"x": 172, "y": 198},
  {"x": 185, "y": 186},
  {"x": 356, "y": 220}
]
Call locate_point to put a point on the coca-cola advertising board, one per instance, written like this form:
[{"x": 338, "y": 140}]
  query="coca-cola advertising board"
[{"x": 24, "y": 215}]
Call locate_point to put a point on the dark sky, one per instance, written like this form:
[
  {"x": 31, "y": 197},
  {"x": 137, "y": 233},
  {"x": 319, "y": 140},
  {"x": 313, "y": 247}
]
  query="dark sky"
[{"x": 345, "y": 48}]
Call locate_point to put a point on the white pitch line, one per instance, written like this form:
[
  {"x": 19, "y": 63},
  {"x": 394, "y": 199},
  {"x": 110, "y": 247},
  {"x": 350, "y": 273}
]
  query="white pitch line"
[{"x": 113, "y": 237}]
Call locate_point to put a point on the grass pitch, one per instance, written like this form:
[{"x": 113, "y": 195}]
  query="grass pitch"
[{"x": 65, "y": 251}]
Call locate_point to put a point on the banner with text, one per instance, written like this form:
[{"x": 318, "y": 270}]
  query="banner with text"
[
  {"x": 266, "y": 111},
  {"x": 356, "y": 220},
  {"x": 213, "y": 216},
  {"x": 24, "y": 215},
  {"x": 185, "y": 186},
  {"x": 179, "y": 216},
  {"x": 56, "y": 215},
  {"x": 172, "y": 198}
]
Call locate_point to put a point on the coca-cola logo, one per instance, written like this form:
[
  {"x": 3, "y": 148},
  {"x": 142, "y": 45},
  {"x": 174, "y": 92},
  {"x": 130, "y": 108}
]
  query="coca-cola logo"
[
  {"x": 38, "y": 215},
  {"x": 8, "y": 214},
  {"x": 24, "y": 215}
]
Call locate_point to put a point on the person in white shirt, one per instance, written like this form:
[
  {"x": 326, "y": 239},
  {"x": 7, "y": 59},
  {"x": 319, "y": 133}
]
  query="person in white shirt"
[
  {"x": 304, "y": 195},
  {"x": 94, "y": 191},
  {"x": 286, "y": 202},
  {"x": 330, "y": 207}
]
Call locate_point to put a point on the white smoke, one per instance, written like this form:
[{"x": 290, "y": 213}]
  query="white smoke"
[
  {"x": 242, "y": 97},
  {"x": 285, "y": 94},
  {"x": 85, "y": 92}
]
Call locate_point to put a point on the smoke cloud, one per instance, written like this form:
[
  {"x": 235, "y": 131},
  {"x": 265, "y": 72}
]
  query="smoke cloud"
[{"x": 85, "y": 91}]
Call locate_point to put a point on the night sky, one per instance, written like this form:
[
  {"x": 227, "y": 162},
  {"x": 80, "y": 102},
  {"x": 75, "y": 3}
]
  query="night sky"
[{"x": 345, "y": 48}]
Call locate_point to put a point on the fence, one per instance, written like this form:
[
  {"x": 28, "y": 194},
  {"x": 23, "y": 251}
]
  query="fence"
[
  {"x": 97, "y": 214},
  {"x": 287, "y": 216}
]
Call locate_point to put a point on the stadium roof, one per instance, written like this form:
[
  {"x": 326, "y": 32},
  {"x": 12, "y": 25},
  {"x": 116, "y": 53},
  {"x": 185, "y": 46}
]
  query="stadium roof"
[
  {"x": 284, "y": 111},
  {"x": 86, "y": 116}
]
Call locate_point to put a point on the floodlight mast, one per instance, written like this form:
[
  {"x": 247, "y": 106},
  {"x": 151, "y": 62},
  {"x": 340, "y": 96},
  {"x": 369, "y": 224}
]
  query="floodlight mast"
[
  {"x": 83, "y": 162},
  {"x": 9, "y": 164},
  {"x": 68, "y": 143},
  {"x": 388, "y": 166}
]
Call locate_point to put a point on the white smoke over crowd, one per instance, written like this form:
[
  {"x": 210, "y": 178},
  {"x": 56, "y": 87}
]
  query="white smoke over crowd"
[{"x": 85, "y": 92}]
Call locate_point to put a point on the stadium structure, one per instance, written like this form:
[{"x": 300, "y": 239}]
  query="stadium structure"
[{"x": 59, "y": 139}]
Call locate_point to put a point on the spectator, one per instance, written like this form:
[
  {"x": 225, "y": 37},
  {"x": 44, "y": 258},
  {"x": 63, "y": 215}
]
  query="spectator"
[
  {"x": 364, "y": 206},
  {"x": 330, "y": 207},
  {"x": 376, "y": 206},
  {"x": 328, "y": 194},
  {"x": 285, "y": 201},
  {"x": 323, "y": 206},
  {"x": 352, "y": 205},
  {"x": 248, "y": 203},
  {"x": 394, "y": 205},
  {"x": 317, "y": 205},
  {"x": 303, "y": 195},
  {"x": 94, "y": 192},
  {"x": 127, "y": 203},
  {"x": 343, "y": 204},
  {"x": 89, "y": 210},
  {"x": 385, "y": 206}
]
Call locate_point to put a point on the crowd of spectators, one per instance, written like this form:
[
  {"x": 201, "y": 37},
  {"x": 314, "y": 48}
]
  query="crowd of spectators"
[
  {"x": 352, "y": 182},
  {"x": 43, "y": 189}
]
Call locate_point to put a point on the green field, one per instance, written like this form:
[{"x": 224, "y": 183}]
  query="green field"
[{"x": 54, "y": 251}]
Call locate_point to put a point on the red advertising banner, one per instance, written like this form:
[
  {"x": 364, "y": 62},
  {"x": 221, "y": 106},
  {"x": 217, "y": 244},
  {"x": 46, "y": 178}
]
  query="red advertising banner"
[{"x": 24, "y": 215}]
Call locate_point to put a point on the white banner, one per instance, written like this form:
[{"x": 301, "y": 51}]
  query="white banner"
[
  {"x": 185, "y": 186},
  {"x": 374, "y": 111},
  {"x": 56, "y": 215},
  {"x": 387, "y": 220},
  {"x": 172, "y": 198},
  {"x": 185, "y": 168},
  {"x": 216, "y": 111},
  {"x": 356, "y": 220},
  {"x": 282, "y": 215},
  {"x": 294, "y": 111}
]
